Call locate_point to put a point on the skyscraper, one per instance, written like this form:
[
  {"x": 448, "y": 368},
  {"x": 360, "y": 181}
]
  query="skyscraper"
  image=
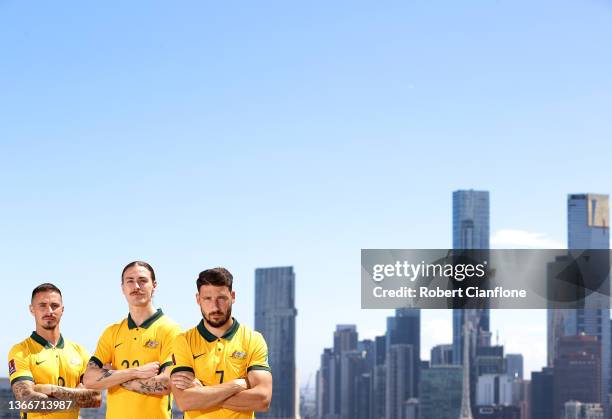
[
  {"x": 587, "y": 228},
  {"x": 542, "y": 394},
  {"x": 577, "y": 371},
  {"x": 440, "y": 395},
  {"x": 514, "y": 365},
  {"x": 275, "y": 314},
  {"x": 470, "y": 231},
  {"x": 399, "y": 384},
  {"x": 405, "y": 328},
  {"x": 441, "y": 355}
]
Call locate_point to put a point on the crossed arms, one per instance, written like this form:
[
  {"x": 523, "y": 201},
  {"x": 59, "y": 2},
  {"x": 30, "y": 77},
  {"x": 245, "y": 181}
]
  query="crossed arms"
[
  {"x": 26, "y": 391},
  {"x": 144, "y": 380},
  {"x": 252, "y": 394}
]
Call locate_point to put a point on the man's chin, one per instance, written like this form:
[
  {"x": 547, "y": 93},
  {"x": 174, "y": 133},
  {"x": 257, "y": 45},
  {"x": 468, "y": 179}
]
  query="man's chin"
[
  {"x": 49, "y": 326},
  {"x": 139, "y": 301},
  {"x": 218, "y": 323}
]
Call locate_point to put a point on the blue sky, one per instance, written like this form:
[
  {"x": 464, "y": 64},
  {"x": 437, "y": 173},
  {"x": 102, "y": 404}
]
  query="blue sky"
[{"x": 269, "y": 134}]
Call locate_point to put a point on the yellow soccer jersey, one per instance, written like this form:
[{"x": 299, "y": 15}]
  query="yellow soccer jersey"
[
  {"x": 126, "y": 345},
  {"x": 216, "y": 360},
  {"x": 36, "y": 360}
]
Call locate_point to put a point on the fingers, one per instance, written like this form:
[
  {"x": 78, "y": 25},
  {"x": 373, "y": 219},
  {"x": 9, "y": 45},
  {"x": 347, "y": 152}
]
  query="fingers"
[{"x": 181, "y": 382}]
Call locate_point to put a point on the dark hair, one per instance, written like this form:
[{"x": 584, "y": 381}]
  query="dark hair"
[
  {"x": 219, "y": 277},
  {"x": 45, "y": 287},
  {"x": 139, "y": 263}
]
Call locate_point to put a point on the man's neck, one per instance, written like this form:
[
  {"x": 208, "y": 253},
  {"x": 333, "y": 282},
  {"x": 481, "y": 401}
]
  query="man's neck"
[
  {"x": 52, "y": 336},
  {"x": 220, "y": 331},
  {"x": 141, "y": 313}
]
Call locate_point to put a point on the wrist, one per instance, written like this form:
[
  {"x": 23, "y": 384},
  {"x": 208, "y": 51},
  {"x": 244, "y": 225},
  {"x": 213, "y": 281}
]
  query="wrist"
[{"x": 133, "y": 373}]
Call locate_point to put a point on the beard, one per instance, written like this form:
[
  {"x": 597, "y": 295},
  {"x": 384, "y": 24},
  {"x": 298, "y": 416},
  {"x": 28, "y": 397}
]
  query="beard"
[
  {"x": 49, "y": 324},
  {"x": 218, "y": 323}
]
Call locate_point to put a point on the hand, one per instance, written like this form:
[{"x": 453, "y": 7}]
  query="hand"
[
  {"x": 184, "y": 380},
  {"x": 108, "y": 366},
  {"x": 147, "y": 370},
  {"x": 241, "y": 382}
]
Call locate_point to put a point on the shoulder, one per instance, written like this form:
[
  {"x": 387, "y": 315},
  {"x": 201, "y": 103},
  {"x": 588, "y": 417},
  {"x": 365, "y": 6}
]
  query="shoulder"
[
  {"x": 114, "y": 328},
  {"x": 168, "y": 326},
  {"x": 73, "y": 345},
  {"x": 250, "y": 336},
  {"x": 20, "y": 349}
]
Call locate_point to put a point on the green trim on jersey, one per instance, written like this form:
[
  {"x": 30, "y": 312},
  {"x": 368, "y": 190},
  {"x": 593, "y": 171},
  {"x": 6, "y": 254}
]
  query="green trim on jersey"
[
  {"x": 205, "y": 333},
  {"x": 22, "y": 378},
  {"x": 45, "y": 343},
  {"x": 147, "y": 323},
  {"x": 259, "y": 368}
]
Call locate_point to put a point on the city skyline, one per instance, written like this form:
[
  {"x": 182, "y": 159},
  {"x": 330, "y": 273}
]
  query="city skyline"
[
  {"x": 532, "y": 366},
  {"x": 263, "y": 135}
]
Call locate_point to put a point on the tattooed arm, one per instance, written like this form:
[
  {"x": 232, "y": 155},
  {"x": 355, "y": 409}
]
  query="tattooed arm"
[
  {"x": 97, "y": 378},
  {"x": 24, "y": 392},
  {"x": 158, "y": 385},
  {"x": 27, "y": 391},
  {"x": 82, "y": 397},
  {"x": 190, "y": 394}
]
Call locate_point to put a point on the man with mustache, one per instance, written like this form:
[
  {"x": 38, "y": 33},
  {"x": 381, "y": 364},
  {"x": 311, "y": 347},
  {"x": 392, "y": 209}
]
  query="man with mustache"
[
  {"x": 221, "y": 367},
  {"x": 132, "y": 356},
  {"x": 46, "y": 369}
]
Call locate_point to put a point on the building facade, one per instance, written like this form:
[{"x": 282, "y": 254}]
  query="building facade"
[{"x": 275, "y": 315}]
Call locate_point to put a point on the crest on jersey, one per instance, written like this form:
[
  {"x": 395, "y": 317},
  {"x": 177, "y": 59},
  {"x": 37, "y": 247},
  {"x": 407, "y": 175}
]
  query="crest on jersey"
[
  {"x": 152, "y": 344},
  {"x": 12, "y": 367},
  {"x": 238, "y": 355},
  {"x": 76, "y": 361}
]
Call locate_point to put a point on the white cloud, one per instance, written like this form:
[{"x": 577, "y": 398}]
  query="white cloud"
[{"x": 521, "y": 239}]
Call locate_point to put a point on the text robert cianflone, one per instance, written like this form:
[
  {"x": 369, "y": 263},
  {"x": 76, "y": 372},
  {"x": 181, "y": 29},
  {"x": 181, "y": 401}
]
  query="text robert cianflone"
[
  {"x": 470, "y": 292},
  {"x": 412, "y": 271}
]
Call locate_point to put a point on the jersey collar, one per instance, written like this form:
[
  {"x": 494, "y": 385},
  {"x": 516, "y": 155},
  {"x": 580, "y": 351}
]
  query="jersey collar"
[
  {"x": 205, "y": 333},
  {"x": 45, "y": 343},
  {"x": 148, "y": 322}
]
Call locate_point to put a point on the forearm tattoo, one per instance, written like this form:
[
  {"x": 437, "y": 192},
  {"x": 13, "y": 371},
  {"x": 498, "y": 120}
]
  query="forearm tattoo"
[
  {"x": 154, "y": 385},
  {"x": 24, "y": 391},
  {"x": 82, "y": 397}
]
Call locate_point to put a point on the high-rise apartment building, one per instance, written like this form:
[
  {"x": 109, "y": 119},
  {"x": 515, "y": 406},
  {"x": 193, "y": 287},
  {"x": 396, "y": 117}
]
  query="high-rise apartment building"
[
  {"x": 470, "y": 231},
  {"x": 275, "y": 315}
]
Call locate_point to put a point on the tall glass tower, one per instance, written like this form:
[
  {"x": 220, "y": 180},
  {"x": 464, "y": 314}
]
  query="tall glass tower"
[
  {"x": 588, "y": 227},
  {"x": 470, "y": 231},
  {"x": 275, "y": 314}
]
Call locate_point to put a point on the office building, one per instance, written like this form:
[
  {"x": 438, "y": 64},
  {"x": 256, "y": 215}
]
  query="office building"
[{"x": 275, "y": 315}]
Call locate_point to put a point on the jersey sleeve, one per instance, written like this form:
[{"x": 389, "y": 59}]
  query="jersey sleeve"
[
  {"x": 84, "y": 353},
  {"x": 19, "y": 365},
  {"x": 104, "y": 353},
  {"x": 258, "y": 354},
  {"x": 167, "y": 345},
  {"x": 182, "y": 356}
]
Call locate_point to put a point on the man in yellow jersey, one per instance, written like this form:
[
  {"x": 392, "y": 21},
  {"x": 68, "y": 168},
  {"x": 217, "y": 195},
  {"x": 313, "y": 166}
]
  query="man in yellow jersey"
[
  {"x": 221, "y": 367},
  {"x": 132, "y": 356},
  {"x": 45, "y": 369}
]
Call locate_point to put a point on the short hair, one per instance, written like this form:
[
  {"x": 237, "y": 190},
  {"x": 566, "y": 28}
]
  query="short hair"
[
  {"x": 219, "y": 277},
  {"x": 139, "y": 263},
  {"x": 44, "y": 288}
]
